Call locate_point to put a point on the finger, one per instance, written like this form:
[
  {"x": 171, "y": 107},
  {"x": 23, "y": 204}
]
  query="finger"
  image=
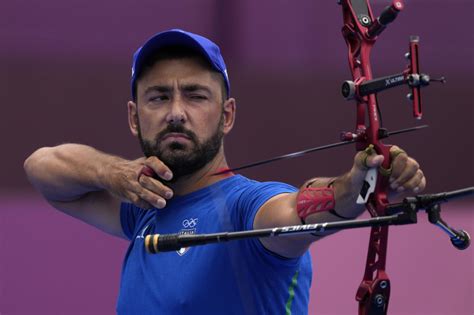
[
  {"x": 147, "y": 171},
  {"x": 404, "y": 173},
  {"x": 155, "y": 187},
  {"x": 422, "y": 185},
  {"x": 137, "y": 201},
  {"x": 399, "y": 163},
  {"x": 395, "y": 151},
  {"x": 409, "y": 192},
  {"x": 374, "y": 161},
  {"x": 159, "y": 168},
  {"x": 363, "y": 161},
  {"x": 135, "y": 189},
  {"x": 151, "y": 198},
  {"x": 414, "y": 183}
]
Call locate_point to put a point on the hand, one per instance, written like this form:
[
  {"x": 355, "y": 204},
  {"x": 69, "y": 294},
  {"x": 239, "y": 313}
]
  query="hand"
[
  {"x": 126, "y": 180},
  {"x": 406, "y": 175}
]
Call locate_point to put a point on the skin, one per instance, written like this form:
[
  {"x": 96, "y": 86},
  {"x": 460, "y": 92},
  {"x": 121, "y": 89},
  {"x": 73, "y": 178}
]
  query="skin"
[
  {"x": 180, "y": 91},
  {"x": 89, "y": 185}
]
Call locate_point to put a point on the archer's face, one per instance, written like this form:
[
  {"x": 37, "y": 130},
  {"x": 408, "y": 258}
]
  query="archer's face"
[{"x": 179, "y": 115}]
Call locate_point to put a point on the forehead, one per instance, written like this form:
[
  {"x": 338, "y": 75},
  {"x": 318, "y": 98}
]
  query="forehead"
[{"x": 179, "y": 71}]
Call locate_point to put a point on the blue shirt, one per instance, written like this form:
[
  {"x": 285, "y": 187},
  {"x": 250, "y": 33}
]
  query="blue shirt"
[{"x": 238, "y": 277}]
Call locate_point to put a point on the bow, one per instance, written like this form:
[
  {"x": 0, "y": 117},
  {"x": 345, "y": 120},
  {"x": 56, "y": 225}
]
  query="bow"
[{"x": 360, "y": 32}]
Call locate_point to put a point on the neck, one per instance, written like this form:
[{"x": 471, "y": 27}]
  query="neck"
[{"x": 203, "y": 177}]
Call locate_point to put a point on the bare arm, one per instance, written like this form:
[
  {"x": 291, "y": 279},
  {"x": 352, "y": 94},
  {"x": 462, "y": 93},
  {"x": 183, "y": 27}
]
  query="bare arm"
[
  {"x": 281, "y": 210},
  {"x": 89, "y": 185}
]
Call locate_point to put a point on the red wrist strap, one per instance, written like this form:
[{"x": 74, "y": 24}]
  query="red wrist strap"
[{"x": 311, "y": 200}]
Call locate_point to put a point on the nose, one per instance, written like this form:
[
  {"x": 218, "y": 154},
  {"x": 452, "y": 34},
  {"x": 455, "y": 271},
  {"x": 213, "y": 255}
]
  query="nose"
[{"x": 176, "y": 114}]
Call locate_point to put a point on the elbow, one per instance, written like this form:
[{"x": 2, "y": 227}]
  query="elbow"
[{"x": 34, "y": 163}]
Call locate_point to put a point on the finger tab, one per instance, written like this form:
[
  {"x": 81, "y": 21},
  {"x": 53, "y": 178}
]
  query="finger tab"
[{"x": 147, "y": 171}]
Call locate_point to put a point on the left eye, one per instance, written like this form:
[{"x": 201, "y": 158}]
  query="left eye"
[{"x": 197, "y": 97}]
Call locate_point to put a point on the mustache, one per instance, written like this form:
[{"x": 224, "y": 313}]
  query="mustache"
[{"x": 176, "y": 129}]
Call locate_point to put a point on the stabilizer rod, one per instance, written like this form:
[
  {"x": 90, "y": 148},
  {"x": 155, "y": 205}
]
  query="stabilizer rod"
[{"x": 402, "y": 213}]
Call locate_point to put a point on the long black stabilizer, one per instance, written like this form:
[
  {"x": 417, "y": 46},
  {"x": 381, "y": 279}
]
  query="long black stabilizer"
[{"x": 407, "y": 214}]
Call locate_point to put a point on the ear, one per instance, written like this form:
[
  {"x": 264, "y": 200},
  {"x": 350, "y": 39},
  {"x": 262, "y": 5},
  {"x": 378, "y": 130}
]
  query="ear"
[
  {"x": 229, "y": 111},
  {"x": 133, "y": 117}
]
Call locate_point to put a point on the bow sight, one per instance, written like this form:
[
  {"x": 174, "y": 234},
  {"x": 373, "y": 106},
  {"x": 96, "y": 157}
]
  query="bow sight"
[{"x": 410, "y": 76}]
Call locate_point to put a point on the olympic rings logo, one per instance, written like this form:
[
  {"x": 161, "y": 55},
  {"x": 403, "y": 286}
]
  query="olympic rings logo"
[{"x": 190, "y": 223}]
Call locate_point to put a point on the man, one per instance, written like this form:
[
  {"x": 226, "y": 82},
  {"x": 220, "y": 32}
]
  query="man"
[{"x": 180, "y": 111}]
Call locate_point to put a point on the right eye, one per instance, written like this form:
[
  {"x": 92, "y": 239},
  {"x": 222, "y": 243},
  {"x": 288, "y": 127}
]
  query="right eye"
[{"x": 158, "y": 98}]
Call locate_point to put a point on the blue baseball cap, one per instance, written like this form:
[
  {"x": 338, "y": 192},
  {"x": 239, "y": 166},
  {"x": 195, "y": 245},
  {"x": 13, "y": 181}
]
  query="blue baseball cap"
[{"x": 177, "y": 37}]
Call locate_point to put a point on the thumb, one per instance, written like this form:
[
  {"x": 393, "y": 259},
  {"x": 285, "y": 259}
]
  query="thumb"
[{"x": 363, "y": 161}]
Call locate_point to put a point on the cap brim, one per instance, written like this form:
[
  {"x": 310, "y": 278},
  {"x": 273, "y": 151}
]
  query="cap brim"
[{"x": 168, "y": 38}]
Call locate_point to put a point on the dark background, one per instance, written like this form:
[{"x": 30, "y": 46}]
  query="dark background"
[{"x": 64, "y": 77}]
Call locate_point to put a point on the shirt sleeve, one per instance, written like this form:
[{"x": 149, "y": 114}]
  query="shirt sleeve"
[
  {"x": 256, "y": 195},
  {"x": 250, "y": 202},
  {"x": 129, "y": 216}
]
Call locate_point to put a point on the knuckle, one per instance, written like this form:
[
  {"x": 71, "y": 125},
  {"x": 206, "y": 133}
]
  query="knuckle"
[
  {"x": 162, "y": 189},
  {"x": 153, "y": 160},
  {"x": 360, "y": 159},
  {"x": 144, "y": 181},
  {"x": 135, "y": 199},
  {"x": 403, "y": 158},
  {"x": 414, "y": 164},
  {"x": 142, "y": 195},
  {"x": 156, "y": 164},
  {"x": 420, "y": 174},
  {"x": 150, "y": 159},
  {"x": 135, "y": 187}
]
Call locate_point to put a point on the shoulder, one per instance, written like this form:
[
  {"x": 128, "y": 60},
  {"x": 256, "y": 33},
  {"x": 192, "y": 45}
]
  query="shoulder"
[
  {"x": 252, "y": 189},
  {"x": 248, "y": 196}
]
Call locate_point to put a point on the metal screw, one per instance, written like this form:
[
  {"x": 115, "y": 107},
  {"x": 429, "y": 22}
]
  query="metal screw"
[
  {"x": 414, "y": 79},
  {"x": 407, "y": 55},
  {"x": 379, "y": 300},
  {"x": 425, "y": 79},
  {"x": 348, "y": 90},
  {"x": 410, "y": 97},
  {"x": 365, "y": 20}
]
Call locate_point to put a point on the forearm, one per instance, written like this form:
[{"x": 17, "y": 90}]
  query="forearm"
[
  {"x": 316, "y": 207},
  {"x": 345, "y": 196},
  {"x": 67, "y": 172},
  {"x": 283, "y": 210}
]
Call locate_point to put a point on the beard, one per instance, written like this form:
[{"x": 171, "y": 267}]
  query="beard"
[{"x": 183, "y": 159}]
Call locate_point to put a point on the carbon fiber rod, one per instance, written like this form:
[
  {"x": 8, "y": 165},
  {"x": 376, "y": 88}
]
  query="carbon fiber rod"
[{"x": 155, "y": 243}]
